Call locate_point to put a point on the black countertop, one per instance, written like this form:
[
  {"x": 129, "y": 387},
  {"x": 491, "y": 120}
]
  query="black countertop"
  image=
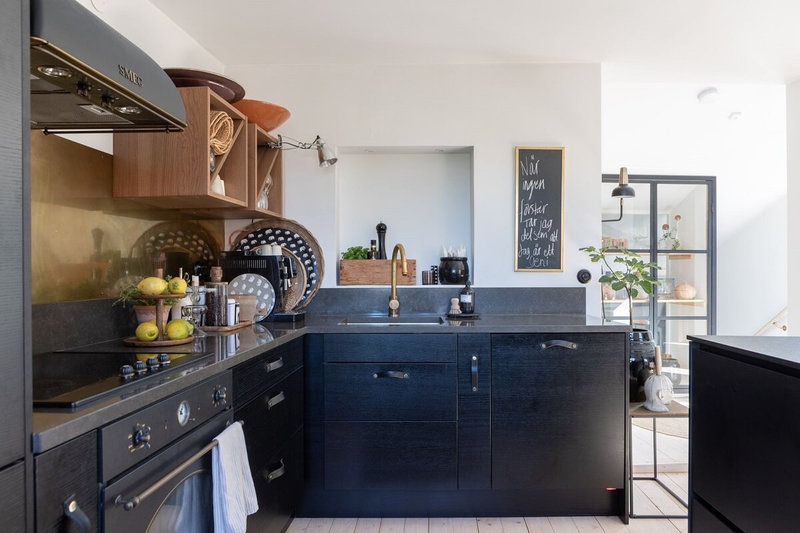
[
  {"x": 781, "y": 352},
  {"x": 54, "y": 427}
]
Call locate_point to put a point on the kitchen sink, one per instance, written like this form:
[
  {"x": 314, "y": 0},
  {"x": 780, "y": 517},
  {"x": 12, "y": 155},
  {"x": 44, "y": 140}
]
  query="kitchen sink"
[{"x": 413, "y": 320}]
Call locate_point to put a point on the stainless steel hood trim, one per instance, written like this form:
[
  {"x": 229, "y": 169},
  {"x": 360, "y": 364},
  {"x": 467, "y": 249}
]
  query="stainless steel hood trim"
[{"x": 62, "y": 30}]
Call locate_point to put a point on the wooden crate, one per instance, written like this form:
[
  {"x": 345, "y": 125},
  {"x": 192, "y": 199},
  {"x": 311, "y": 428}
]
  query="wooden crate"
[{"x": 375, "y": 272}]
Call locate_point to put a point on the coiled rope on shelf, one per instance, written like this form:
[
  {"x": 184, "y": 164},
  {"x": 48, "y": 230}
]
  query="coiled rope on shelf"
[{"x": 220, "y": 132}]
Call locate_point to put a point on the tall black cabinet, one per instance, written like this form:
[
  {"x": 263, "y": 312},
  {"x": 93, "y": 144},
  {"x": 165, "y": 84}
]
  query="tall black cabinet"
[{"x": 15, "y": 470}]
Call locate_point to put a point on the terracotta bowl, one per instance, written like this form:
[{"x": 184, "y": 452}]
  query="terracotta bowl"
[{"x": 265, "y": 115}]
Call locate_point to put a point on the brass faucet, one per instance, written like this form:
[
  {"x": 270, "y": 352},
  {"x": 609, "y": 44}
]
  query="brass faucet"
[{"x": 394, "y": 303}]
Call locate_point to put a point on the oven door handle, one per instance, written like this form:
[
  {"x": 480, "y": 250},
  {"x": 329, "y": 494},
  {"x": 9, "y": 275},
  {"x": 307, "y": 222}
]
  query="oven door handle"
[{"x": 131, "y": 503}]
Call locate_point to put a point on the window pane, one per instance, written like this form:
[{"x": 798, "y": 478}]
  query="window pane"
[
  {"x": 683, "y": 287},
  {"x": 682, "y": 218},
  {"x": 633, "y": 231},
  {"x": 671, "y": 336},
  {"x": 615, "y": 303}
]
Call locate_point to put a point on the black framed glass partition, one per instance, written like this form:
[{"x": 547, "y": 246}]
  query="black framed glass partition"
[{"x": 671, "y": 222}]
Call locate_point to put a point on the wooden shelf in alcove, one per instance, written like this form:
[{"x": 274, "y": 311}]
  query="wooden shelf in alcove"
[{"x": 173, "y": 170}]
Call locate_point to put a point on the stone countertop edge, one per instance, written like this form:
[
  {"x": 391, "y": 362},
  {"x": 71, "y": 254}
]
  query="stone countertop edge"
[
  {"x": 54, "y": 427},
  {"x": 781, "y": 352}
]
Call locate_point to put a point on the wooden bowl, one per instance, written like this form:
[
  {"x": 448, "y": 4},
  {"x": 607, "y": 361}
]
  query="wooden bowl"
[{"x": 264, "y": 114}]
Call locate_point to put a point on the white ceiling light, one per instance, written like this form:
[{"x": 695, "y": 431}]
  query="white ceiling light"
[
  {"x": 709, "y": 95},
  {"x": 735, "y": 115}
]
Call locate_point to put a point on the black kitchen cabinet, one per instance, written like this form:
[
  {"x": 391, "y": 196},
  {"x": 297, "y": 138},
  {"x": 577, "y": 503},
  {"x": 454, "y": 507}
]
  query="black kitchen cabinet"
[
  {"x": 269, "y": 401},
  {"x": 465, "y": 424},
  {"x": 558, "y": 419},
  {"x": 390, "y": 412},
  {"x": 744, "y": 436},
  {"x": 70, "y": 470},
  {"x": 15, "y": 374}
]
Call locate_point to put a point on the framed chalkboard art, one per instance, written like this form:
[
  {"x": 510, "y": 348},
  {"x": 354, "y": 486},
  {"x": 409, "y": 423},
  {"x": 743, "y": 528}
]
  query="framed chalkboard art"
[{"x": 539, "y": 226}]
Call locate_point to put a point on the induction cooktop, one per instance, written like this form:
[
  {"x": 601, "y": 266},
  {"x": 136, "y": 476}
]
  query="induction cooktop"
[{"x": 70, "y": 380}]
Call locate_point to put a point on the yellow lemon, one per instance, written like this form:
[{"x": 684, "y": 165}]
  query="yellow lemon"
[
  {"x": 188, "y": 325},
  {"x": 177, "y": 286},
  {"x": 151, "y": 286},
  {"x": 176, "y": 330},
  {"x": 147, "y": 332}
]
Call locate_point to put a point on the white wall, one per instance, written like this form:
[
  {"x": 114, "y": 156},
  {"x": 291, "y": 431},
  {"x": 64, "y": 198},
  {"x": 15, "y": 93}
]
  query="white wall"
[
  {"x": 793, "y": 148},
  {"x": 490, "y": 108},
  {"x": 660, "y": 128},
  {"x": 372, "y": 186}
]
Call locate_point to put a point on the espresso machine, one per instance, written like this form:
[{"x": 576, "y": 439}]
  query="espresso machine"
[{"x": 278, "y": 269}]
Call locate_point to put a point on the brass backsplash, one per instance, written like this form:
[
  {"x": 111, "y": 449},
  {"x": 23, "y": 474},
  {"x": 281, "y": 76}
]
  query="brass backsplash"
[{"x": 86, "y": 244}]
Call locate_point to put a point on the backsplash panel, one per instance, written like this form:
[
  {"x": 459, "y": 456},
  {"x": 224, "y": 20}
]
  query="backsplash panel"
[{"x": 86, "y": 244}]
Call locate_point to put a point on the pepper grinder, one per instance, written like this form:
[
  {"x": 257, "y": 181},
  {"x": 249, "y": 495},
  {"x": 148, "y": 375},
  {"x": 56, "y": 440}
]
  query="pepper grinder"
[{"x": 381, "y": 227}]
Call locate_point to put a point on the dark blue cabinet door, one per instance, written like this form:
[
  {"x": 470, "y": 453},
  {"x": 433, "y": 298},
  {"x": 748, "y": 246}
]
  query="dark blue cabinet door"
[{"x": 558, "y": 411}]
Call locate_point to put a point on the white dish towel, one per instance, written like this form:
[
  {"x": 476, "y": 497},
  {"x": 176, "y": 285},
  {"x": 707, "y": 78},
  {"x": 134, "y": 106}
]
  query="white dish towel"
[{"x": 234, "y": 492}]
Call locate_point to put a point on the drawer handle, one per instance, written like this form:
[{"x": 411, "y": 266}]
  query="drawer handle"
[
  {"x": 395, "y": 374},
  {"x": 274, "y": 365},
  {"x": 474, "y": 373},
  {"x": 73, "y": 511},
  {"x": 275, "y": 400},
  {"x": 275, "y": 474},
  {"x": 561, "y": 344}
]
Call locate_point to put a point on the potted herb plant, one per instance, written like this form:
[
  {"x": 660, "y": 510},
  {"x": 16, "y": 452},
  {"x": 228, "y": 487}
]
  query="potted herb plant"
[{"x": 145, "y": 308}]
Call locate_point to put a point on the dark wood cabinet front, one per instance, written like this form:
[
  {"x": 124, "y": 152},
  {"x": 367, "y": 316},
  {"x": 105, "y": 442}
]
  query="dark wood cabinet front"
[
  {"x": 745, "y": 438},
  {"x": 558, "y": 412},
  {"x": 269, "y": 401},
  {"x": 68, "y": 470}
]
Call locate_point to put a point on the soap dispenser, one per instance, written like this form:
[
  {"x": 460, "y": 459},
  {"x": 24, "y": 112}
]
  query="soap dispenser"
[{"x": 466, "y": 300}]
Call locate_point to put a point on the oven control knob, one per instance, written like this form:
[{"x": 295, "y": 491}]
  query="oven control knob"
[
  {"x": 140, "y": 367},
  {"x": 152, "y": 363},
  {"x": 164, "y": 359},
  {"x": 126, "y": 371},
  {"x": 140, "y": 438},
  {"x": 220, "y": 395}
]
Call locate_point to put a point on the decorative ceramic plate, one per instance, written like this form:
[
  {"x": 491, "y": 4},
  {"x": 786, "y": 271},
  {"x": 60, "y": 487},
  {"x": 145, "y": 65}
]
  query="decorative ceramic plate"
[
  {"x": 258, "y": 285},
  {"x": 294, "y": 238},
  {"x": 296, "y": 292},
  {"x": 226, "y": 88}
]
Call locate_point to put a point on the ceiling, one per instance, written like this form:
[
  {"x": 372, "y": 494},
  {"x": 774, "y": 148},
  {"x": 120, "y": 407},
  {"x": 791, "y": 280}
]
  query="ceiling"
[{"x": 679, "y": 40}]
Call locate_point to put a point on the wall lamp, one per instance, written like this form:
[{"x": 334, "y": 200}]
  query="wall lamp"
[
  {"x": 621, "y": 191},
  {"x": 327, "y": 157}
]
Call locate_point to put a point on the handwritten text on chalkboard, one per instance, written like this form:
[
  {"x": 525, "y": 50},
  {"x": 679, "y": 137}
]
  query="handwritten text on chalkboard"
[{"x": 539, "y": 222}]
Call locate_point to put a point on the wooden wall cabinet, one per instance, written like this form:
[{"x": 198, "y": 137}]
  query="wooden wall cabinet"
[
  {"x": 173, "y": 170},
  {"x": 264, "y": 164}
]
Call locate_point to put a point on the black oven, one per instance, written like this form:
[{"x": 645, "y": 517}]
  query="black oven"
[{"x": 156, "y": 463}]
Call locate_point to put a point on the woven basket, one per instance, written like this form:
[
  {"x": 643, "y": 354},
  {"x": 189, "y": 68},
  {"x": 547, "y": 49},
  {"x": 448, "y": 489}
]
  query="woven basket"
[{"x": 220, "y": 129}]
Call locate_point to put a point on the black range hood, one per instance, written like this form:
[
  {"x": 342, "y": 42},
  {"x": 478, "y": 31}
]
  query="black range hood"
[{"x": 86, "y": 77}]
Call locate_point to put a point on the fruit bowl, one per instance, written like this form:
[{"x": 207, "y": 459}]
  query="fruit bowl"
[{"x": 264, "y": 114}]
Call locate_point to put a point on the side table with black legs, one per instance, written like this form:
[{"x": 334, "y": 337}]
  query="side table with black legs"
[{"x": 637, "y": 410}]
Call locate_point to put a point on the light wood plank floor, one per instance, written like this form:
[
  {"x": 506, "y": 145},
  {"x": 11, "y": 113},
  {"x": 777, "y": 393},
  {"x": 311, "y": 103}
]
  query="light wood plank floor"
[{"x": 552, "y": 524}]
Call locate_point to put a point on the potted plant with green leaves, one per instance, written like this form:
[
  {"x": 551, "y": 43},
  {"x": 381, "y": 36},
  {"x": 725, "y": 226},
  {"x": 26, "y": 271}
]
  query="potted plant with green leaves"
[
  {"x": 631, "y": 274},
  {"x": 145, "y": 308}
]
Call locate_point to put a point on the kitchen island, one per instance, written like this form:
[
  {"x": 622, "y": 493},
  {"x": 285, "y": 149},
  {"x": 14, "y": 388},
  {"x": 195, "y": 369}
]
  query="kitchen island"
[{"x": 744, "y": 433}]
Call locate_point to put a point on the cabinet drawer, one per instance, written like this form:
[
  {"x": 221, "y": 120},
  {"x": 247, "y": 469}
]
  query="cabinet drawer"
[
  {"x": 390, "y": 347},
  {"x": 271, "y": 418},
  {"x": 253, "y": 377},
  {"x": 391, "y": 455},
  {"x": 390, "y": 392},
  {"x": 279, "y": 485},
  {"x": 12, "y": 490}
]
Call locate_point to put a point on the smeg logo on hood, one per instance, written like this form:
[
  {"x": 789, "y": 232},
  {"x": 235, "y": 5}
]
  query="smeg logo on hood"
[{"x": 130, "y": 75}]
